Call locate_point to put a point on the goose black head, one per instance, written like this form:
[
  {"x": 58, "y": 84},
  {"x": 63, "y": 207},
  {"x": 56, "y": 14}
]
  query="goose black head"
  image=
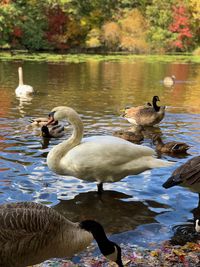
[
  {"x": 45, "y": 131},
  {"x": 109, "y": 249}
]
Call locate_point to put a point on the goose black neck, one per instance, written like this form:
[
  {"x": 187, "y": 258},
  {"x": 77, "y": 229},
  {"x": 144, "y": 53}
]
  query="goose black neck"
[
  {"x": 105, "y": 245},
  {"x": 155, "y": 106}
]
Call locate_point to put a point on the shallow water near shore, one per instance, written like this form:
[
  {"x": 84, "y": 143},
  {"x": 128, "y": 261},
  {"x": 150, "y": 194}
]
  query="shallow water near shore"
[{"x": 136, "y": 210}]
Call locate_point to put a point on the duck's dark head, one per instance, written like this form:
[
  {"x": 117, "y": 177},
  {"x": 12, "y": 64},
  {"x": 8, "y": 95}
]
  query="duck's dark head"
[
  {"x": 109, "y": 249},
  {"x": 45, "y": 131}
]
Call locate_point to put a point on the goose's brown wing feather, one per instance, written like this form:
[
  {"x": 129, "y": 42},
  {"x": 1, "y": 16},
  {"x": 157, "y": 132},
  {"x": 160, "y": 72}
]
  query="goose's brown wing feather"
[{"x": 190, "y": 171}]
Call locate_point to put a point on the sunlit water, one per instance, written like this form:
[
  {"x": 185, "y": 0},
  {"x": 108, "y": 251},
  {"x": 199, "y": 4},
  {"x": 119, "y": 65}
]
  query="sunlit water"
[{"x": 137, "y": 209}]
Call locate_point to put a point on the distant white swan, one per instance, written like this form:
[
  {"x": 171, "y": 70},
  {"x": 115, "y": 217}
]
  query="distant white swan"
[
  {"x": 98, "y": 158},
  {"x": 169, "y": 81},
  {"x": 23, "y": 90}
]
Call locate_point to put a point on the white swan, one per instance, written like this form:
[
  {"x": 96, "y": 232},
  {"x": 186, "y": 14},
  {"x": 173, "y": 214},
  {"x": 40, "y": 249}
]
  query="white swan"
[
  {"x": 98, "y": 158},
  {"x": 169, "y": 81},
  {"x": 23, "y": 90},
  {"x": 31, "y": 233}
]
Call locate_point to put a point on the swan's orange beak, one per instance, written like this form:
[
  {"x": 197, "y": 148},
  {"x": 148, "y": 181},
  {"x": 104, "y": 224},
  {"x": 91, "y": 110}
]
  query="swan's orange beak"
[{"x": 51, "y": 118}]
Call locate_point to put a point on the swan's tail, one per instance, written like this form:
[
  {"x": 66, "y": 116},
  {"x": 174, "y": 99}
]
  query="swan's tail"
[{"x": 156, "y": 163}]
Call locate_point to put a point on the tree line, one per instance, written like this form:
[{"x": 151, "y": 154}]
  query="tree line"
[{"x": 136, "y": 26}]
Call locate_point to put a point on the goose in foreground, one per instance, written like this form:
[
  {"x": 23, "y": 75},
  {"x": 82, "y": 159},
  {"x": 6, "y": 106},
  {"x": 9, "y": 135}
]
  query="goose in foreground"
[
  {"x": 169, "y": 147},
  {"x": 23, "y": 90},
  {"x": 188, "y": 175},
  {"x": 54, "y": 131},
  {"x": 97, "y": 158},
  {"x": 31, "y": 233},
  {"x": 169, "y": 81},
  {"x": 146, "y": 115}
]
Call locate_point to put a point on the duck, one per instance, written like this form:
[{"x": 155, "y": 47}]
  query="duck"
[
  {"x": 53, "y": 131},
  {"x": 146, "y": 115},
  {"x": 39, "y": 122},
  {"x": 172, "y": 147},
  {"x": 135, "y": 136},
  {"x": 23, "y": 90},
  {"x": 32, "y": 233},
  {"x": 169, "y": 81},
  {"x": 186, "y": 175},
  {"x": 97, "y": 158}
]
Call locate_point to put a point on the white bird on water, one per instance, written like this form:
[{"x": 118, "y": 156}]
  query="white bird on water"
[
  {"x": 23, "y": 90},
  {"x": 98, "y": 158}
]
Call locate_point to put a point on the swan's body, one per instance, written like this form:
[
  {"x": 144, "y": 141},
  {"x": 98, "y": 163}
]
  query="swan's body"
[
  {"x": 188, "y": 175},
  {"x": 98, "y": 158},
  {"x": 172, "y": 147},
  {"x": 31, "y": 233},
  {"x": 146, "y": 115},
  {"x": 169, "y": 81},
  {"x": 23, "y": 90}
]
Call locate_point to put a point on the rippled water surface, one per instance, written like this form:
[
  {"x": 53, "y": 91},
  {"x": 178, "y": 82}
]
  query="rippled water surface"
[{"x": 137, "y": 209}]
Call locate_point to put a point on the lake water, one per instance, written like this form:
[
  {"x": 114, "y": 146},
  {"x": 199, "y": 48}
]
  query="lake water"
[{"x": 136, "y": 210}]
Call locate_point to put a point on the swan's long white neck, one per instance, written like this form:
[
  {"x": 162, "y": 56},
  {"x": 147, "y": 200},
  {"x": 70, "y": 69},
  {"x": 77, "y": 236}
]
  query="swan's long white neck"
[
  {"x": 20, "y": 72},
  {"x": 59, "y": 151}
]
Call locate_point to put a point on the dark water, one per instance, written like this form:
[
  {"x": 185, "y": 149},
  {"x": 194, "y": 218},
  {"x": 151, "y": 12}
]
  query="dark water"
[{"x": 137, "y": 209}]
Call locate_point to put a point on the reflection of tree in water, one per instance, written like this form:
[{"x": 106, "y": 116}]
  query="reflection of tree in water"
[{"x": 111, "y": 209}]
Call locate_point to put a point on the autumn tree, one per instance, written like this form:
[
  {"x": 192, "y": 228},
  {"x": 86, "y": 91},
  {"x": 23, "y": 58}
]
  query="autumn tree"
[
  {"x": 180, "y": 26},
  {"x": 133, "y": 32}
]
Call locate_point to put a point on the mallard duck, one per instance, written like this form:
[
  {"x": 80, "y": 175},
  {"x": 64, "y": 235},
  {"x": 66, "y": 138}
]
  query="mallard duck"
[
  {"x": 23, "y": 90},
  {"x": 169, "y": 147},
  {"x": 31, "y": 233},
  {"x": 39, "y": 122},
  {"x": 187, "y": 175},
  {"x": 169, "y": 81},
  {"x": 146, "y": 115},
  {"x": 54, "y": 131},
  {"x": 97, "y": 158}
]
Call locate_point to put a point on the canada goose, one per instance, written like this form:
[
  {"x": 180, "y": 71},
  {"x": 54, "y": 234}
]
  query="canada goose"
[
  {"x": 135, "y": 136},
  {"x": 146, "y": 115},
  {"x": 55, "y": 131},
  {"x": 31, "y": 233},
  {"x": 169, "y": 147},
  {"x": 187, "y": 175},
  {"x": 169, "y": 81},
  {"x": 23, "y": 90},
  {"x": 97, "y": 158}
]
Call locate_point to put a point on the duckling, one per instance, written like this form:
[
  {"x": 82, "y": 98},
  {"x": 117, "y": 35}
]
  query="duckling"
[
  {"x": 54, "y": 131},
  {"x": 169, "y": 81},
  {"x": 169, "y": 147},
  {"x": 23, "y": 90},
  {"x": 187, "y": 175},
  {"x": 32, "y": 233},
  {"x": 146, "y": 115}
]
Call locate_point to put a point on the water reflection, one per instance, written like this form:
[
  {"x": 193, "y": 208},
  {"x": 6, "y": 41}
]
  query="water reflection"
[
  {"x": 113, "y": 209},
  {"x": 98, "y": 91}
]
